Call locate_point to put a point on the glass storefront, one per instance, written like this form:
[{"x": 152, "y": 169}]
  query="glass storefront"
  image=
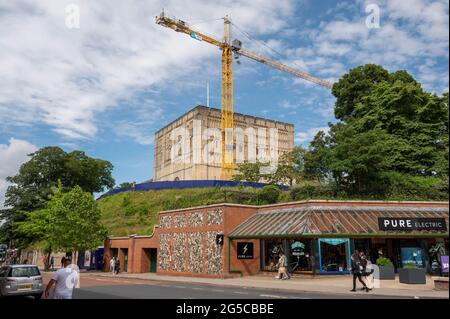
[
  {"x": 298, "y": 253},
  {"x": 271, "y": 250},
  {"x": 334, "y": 255},
  {"x": 301, "y": 258}
]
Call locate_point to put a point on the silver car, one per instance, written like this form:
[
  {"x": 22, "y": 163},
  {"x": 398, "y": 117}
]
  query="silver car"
[{"x": 21, "y": 280}]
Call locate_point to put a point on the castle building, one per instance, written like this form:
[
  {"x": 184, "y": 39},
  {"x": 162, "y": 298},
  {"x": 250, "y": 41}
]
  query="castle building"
[{"x": 189, "y": 148}]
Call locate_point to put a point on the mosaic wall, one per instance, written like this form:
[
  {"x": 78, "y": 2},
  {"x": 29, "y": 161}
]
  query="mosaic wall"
[
  {"x": 165, "y": 221},
  {"x": 179, "y": 221},
  {"x": 213, "y": 254},
  {"x": 195, "y": 253},
  {"x": 179, "y": 252},
  {"x": 163, "y": 251},
  {"x": 215, "y": 217},
  {"x": 195, "y": 219}
]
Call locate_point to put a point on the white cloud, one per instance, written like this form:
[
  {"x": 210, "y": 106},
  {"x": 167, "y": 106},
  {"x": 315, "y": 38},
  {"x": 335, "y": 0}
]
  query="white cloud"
[
  {"x": 305, "y": 137},
  {"x": 12, "y": 156},
  {"x": 410, "y": 32},
  {"x": 65, "y": 78}
]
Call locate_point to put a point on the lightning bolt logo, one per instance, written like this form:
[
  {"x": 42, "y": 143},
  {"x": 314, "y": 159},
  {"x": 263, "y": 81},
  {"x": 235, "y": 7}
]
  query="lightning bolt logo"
[{"x": 245, "y": 249}]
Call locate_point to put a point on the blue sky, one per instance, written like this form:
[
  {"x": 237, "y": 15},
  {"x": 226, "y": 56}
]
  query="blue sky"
[{"x": 107, "y": 86}]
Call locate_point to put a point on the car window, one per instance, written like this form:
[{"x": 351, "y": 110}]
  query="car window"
[
  {"x": 24, "y": 272},
  {"x": 3, "y": 271}
]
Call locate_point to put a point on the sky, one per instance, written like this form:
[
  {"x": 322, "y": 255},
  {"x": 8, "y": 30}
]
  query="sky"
[{"x": 105, "y": 82}]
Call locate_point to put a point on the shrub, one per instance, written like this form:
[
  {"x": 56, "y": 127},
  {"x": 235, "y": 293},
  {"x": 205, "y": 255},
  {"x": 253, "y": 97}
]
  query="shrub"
[
  {"x": 383, "y": 261},
  {"x": 410, "y": 265},
  {"x": 269, "y": 194}
]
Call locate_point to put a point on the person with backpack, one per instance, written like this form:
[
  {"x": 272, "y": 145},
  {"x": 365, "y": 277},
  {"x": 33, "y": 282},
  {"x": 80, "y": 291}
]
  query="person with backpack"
[{"x": 357, "y": 270}]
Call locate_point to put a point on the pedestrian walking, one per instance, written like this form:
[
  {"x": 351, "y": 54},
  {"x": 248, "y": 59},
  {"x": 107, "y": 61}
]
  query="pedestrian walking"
[
  {"x": 368, "y": 275},
  {"x": 117, "y": 266},
  {"x": 64, "y": 280},
  {"x": 357, "y": 269},
  {"x": 63, "y": 258},
  {"x": 282, "y": 268},
  {"x": 52, "y": 262},
  {"x": 112, "y": 264}
]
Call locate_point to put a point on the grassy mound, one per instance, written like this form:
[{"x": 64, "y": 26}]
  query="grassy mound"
[{"x": 137, "y": 212}]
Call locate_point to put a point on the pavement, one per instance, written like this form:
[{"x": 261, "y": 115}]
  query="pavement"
[
  {"x": 338, "y": 286},
  {"x": 101, "y": 286}
]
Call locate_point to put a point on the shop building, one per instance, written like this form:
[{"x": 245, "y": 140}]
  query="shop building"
[{"x": 318, "y": 237}]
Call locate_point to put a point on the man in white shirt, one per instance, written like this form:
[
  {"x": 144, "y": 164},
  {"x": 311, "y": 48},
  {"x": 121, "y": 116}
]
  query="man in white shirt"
[{"x": 64, "y": 280}]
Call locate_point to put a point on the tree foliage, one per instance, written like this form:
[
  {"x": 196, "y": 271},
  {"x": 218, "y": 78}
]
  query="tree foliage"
[
  {"x": 70, "y": 221},
  {"x": 49, "y": 165},
  {"x": 33, "y": 184},
  {"x": 389, "y": 126},
  {"x": 391, "y": 140}
]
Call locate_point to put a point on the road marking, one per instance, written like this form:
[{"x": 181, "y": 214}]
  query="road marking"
[
  {"x": 217, "y": 290},
  {"x": 240, "y": 292},
  {"x": 197, "y": 288},
  {"x": 272, "y": 296},
  {"x": 179, "y": 287}
]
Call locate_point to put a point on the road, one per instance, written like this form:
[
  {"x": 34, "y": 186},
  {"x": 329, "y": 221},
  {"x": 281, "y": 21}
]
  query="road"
[{"x": 98, "y": 287}]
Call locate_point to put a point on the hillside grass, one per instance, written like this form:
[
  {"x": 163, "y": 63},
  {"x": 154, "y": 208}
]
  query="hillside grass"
[{"x": 137, "y": 212}]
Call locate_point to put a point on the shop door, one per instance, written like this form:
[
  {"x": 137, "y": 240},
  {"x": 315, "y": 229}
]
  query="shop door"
[
  {"x": 153, "y": 259},
  {"x": 125, "y": 260},
  {"x": 334, "y": 255}
]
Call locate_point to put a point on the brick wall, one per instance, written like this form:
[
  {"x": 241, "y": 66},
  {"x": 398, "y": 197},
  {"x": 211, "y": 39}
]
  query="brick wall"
[{"x": 186, "y": 240}]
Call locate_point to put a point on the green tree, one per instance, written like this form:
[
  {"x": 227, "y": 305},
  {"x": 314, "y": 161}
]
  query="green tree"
[
  {"x": 354, "y": 86},
  {"x": 389, "y": 127},
  {"x": 33, "y": 184},
  {"x": 250, "y": 172},
  {"x": 49, "y": 165},
  {"x": 317, "y": 158},
  {"x": 290, "y": 167},
  {"x": 269, "y": 194},
  {"x": 70, "y": 221}
]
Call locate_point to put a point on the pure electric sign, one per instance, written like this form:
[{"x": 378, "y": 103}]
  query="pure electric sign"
[{"x": 412, "y": 224}]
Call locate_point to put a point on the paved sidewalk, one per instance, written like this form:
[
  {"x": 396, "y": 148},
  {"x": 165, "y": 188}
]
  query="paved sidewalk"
[{"x": 322, "y": 284}]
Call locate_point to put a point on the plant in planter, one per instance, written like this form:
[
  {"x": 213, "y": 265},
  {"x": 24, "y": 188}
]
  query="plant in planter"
[
  {"x": 386, "y": 268},
  {"x": 411, "y": 274}
]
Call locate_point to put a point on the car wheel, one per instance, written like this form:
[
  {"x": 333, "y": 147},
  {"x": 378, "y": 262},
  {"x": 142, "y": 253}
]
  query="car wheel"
[{"x": 38, "y": 296}]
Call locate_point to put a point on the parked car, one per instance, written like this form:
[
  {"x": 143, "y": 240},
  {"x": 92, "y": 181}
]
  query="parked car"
[{"x": 21, "y": 280}]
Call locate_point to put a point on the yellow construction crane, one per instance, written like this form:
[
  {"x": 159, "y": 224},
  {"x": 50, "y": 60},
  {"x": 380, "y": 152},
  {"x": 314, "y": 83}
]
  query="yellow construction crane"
[{"x": 229, "y": 47}]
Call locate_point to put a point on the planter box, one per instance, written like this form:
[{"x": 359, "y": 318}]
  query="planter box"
[
  {"x": 387, "y": 272},
  {"x": 412, "y": 276},
  {"x": 440, "y": 283}
]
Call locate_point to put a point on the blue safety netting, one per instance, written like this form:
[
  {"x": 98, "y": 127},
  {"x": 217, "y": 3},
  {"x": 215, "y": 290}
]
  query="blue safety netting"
[{"x": 187, "y": 184}]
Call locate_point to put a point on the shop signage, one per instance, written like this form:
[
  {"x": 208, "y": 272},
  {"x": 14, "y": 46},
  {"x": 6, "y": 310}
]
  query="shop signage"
[
  {"x": 412, "y": 224},
  {"x": 444, "y": 263},
  {"x": 297, "y": 248},
  {"x": 245, "y": 250},
  {"x": 219, "y": 239}
]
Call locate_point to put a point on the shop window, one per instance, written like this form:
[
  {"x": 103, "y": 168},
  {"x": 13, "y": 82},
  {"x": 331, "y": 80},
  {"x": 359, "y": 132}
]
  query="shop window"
[
  {"x": 272, "y": 250},
  {"x": 334, "y": 255},
  {"x": 300, "y": 255},
  {"x": 412, "y": 256}
]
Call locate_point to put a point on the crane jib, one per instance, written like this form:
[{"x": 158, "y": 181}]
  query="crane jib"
[{"x": 196, "y": 36}]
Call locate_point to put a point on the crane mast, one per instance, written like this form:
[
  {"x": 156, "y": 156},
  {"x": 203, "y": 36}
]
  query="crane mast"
[{"x": 227, "y": 98}]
